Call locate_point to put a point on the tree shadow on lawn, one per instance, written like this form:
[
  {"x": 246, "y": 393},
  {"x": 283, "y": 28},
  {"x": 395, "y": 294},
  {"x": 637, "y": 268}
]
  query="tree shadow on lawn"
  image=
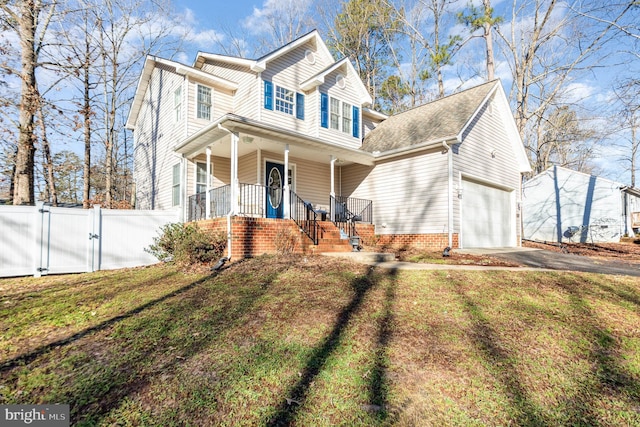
[
  {"x": 29, "y": 357},
  {"x": 96, "y": 373},
  {"x": 499, "y": 361},
  {"x": 604, "y": 354},
  {"x": 289, "y": 407}
]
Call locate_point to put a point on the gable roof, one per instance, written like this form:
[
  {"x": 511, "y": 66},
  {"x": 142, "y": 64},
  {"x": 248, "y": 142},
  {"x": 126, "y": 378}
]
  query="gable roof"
[
  {"x": 260, "y": 64},
  {"x": 444, "y": 120},
  {"x": 346, "y": 65},
  {"x": 149, "y": 65},
  {"x": 441, "y": 120}
]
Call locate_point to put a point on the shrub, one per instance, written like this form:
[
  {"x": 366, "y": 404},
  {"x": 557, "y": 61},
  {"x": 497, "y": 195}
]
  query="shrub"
[
  {"x": 187, "y": 244},
  {"x": 285, "y": 240}
]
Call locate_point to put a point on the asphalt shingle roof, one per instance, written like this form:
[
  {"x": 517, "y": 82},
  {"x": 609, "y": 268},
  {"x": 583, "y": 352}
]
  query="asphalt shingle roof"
[{"x": 440, "y": 119}]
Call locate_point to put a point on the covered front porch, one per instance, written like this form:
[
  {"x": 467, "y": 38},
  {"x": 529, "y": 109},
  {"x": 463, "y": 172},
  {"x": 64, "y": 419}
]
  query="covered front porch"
[{"x": 239, "y": 168}]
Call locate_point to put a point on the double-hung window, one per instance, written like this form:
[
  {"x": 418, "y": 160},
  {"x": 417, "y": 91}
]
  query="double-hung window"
[
  {"x": 346, "y": 118},
  {"x": 201, "y": 177},
  {"x": 175, "y": 188},
  {"x": 204, "y": 103},
  {"x": 335, "y": 113},
  {"x": 177, "y": 104},
  {"x": 338, "y": 115},
  {"x": 284, "y": 100}
]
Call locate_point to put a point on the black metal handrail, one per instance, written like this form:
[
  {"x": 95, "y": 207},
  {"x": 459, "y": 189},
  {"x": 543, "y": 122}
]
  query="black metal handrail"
[
  {"x": 346, "y": 211},
  {"x": 360, "y": 210},
  {"x": 302, "y": 213}
]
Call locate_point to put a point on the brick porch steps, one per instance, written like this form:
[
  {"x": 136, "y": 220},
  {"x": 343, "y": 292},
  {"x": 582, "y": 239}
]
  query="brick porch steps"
[{"x": 329, "y": 239}]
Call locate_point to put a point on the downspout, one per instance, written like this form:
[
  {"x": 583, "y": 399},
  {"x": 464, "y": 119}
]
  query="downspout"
[
  {"x": 231, "y": 210},
  {"x": 450, "y": 192}
]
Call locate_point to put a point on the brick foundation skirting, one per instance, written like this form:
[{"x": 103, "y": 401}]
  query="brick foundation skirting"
[
  {"x": 251, "y": 237},
  {"x": 437, "y": 241}
]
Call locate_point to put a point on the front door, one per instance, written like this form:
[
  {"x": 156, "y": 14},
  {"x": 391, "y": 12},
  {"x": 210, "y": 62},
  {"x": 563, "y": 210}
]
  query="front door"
[{"x": 275, "y": 186}]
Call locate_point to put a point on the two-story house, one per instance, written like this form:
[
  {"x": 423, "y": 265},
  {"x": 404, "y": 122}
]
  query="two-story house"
[{"x": 290, "y": 140}]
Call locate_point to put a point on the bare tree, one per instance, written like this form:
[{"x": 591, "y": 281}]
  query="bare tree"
[
  {"x": 548, "y": 45},
  {"x": 628, "y": 97},
  {"x": 30, "y": 20},
  {"x": 126, "y": 33}
]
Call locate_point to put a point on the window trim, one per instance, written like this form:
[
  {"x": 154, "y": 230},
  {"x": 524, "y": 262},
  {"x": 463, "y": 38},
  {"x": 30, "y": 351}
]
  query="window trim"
[
  {"x": 196, "y": 183},
  {"x": 332, "y": 115},
  {"x": 273, "y": 100},
  {"x": 175, "y": 186},
  {"x": 210, "y": 105}
]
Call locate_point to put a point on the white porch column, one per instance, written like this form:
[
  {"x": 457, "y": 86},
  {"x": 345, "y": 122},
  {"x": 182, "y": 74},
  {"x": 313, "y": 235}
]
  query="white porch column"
[
  {"x": 208, "y": 195},
  {"x": 287, "y": 195},
  {"x": 235, "y": 191},
  {"x": 332, "y": 190}
]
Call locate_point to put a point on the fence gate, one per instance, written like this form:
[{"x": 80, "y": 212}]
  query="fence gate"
[
  {"x": 68, "y": 240},
  {"x": 39, "y": 240}
]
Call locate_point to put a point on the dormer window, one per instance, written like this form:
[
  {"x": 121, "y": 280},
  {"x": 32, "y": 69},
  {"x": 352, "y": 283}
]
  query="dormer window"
[
  {"x": 203, "y": 109},
  {"x": 286, "y": 100},
  {"x": 339, "y": 115}
]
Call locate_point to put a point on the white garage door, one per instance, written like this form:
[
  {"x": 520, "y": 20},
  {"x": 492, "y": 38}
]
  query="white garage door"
[{"x": 486, "y": 216}]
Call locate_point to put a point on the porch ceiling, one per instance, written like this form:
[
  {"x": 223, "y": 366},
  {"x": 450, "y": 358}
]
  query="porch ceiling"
[{"x": 254, "y": 135}]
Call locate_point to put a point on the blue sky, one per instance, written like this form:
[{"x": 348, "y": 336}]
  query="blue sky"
[{"x": 209, "y": 19}]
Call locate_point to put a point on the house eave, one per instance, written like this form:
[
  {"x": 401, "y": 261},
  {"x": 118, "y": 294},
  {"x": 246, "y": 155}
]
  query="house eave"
[
  {"x": 206, "y": 77},
  {"x": 389, "y": 154},
  {"x": 235, "y": 123}
]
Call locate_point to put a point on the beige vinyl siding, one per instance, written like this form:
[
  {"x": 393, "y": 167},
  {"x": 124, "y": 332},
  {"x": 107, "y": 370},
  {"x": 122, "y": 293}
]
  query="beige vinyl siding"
[
  {"x": 221, "y": 103},
  {"x": 154, "y": 161},
  {"x": 409, "y": 193},
  {"x": 247, "y": 168},
  {"x": 246, "y": 100},
  {"x": 288, "y": 71},
  {"x": 485, "y": 135},
  {"x": 348, "y": 94},
  {"x": 221, "y": 172},
  {"x": 313, "y": 182}
]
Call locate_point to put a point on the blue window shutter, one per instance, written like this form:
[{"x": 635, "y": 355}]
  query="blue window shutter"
[
  {"x": 299, "y": 106},
  {"x": 324, "y": 110},
  {"x": 356, "y": 122},
  {"x": 268, "y": 95}
]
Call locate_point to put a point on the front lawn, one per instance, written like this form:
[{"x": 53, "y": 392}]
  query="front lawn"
[{"x": 322, "y": 341}]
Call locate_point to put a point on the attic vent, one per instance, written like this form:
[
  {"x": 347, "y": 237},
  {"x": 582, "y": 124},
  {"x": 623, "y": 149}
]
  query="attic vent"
[
  {"x": 340, "y": 82},
  {"x": 310, "y": 57}
]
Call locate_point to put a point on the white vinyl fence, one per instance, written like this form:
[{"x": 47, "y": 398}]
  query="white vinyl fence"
[{"x": 37, "y": 240}]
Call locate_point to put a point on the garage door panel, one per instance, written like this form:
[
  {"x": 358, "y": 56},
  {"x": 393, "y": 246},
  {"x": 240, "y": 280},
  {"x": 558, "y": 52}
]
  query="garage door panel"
[{"x": 486, "y": 216}]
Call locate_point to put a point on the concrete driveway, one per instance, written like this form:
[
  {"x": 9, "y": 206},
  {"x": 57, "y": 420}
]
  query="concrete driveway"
[{"x": 539, "y": 258}]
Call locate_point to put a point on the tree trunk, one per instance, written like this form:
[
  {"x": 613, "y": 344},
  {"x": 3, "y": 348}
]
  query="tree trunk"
[
  {"x": 86, "y": 113},
  {"x": 23, "y": 191},
  {"x": 48, "y": 163},
  {"x": 488, "y": 40}
]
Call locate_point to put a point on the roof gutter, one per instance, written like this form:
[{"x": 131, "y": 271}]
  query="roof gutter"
[{"x": 414, "y": 148}]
